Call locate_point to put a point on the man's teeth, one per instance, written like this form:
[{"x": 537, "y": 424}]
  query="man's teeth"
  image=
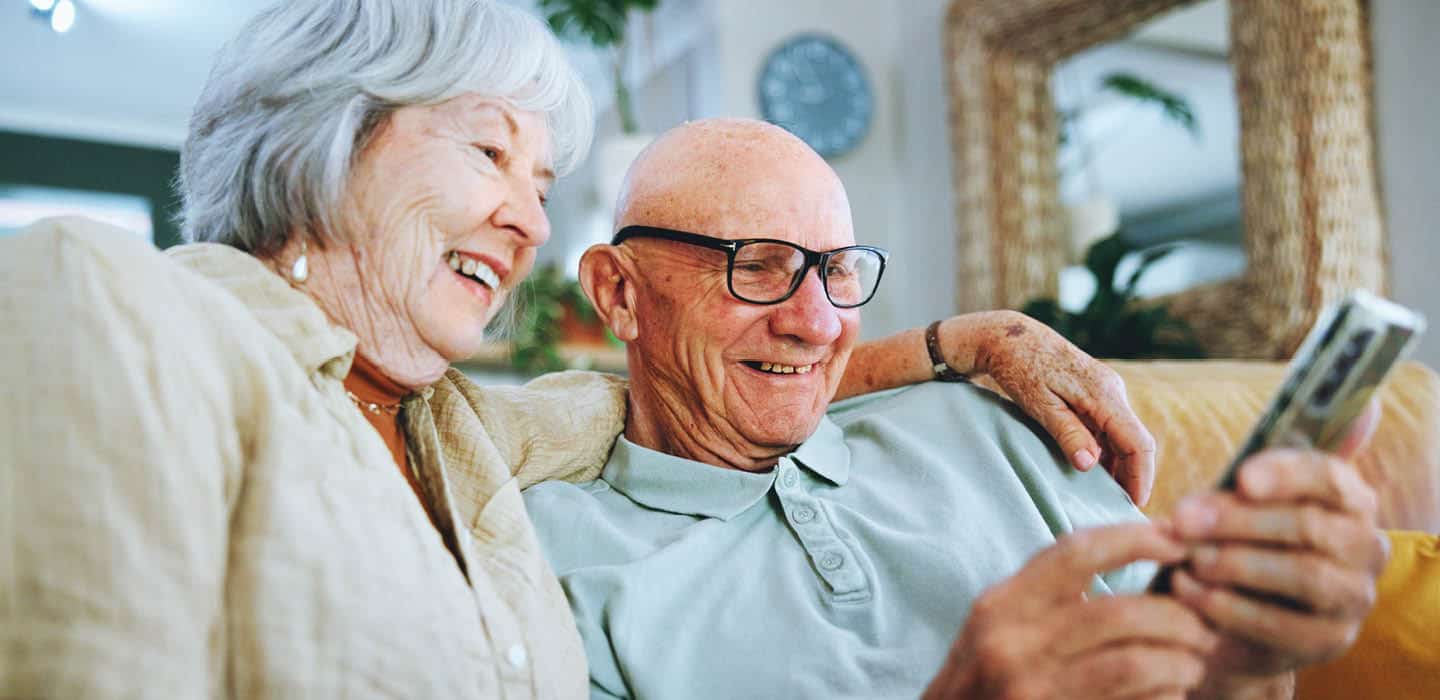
[
  {"x": 471, "y": 267},
  {"x": 777, "y": 368}
]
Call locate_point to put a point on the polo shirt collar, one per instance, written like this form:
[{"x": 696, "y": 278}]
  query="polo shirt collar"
[
  {"x": 678, "y": 485},
  {"x": 825, "y": 453}
]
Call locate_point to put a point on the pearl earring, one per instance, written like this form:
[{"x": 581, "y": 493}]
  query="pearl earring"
[{"x": 300, "y": 270}]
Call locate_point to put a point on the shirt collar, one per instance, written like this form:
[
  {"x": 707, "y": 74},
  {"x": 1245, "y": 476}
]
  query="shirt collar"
[
  {"x": 316, "y": 343},
  {"x": 825, "y": 453},
  {"x": 678, "y": 485}
]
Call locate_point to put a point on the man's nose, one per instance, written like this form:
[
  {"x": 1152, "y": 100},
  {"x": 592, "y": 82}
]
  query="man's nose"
[{"x": 808, "y": 314}]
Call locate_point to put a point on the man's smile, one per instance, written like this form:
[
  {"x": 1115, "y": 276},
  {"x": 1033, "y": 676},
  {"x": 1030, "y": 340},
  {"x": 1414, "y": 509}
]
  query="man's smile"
[{"x": 780, "y": 368}]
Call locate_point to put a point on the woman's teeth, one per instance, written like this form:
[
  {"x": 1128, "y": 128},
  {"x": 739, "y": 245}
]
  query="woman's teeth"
[
  {"x": 777, "y": 368},
  {"x": 470, "y": 267}
]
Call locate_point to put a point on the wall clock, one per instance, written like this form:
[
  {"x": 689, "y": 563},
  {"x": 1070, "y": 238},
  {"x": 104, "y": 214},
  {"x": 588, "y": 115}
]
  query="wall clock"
[{"x": 815, "y": 88}]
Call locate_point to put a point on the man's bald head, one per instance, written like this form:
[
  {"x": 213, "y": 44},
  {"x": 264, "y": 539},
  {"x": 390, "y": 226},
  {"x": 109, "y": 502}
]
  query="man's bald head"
[
  {"x": 714, "y": 377},
  {"x": 735, "y": 178}
]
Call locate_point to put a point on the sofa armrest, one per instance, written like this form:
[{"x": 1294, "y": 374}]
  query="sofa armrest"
[{"x": 1200, "y": 411}]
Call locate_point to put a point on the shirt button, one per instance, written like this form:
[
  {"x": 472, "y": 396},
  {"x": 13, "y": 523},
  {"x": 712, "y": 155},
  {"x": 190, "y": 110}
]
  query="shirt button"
[
  {"x": 516, "y": 656},
  {"x": 804, "y": 515},
  {"x": 831, "y": 561},
  {"x": 789, "y": 478}
]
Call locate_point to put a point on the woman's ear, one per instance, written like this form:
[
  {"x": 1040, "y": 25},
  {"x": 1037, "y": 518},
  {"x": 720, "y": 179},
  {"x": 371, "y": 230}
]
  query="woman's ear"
[{"x": 605, "y": 275}]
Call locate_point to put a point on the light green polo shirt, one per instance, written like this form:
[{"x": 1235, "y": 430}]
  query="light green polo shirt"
[{"x": 847, "y": 571}]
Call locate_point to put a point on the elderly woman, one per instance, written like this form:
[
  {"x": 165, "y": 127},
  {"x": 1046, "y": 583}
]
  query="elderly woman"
[{"x": 241, "y": 468}]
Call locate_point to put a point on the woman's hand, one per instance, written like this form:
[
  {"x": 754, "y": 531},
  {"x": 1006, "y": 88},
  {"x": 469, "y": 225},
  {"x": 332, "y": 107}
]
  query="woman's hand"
[{"x": 1076, "y": 398}]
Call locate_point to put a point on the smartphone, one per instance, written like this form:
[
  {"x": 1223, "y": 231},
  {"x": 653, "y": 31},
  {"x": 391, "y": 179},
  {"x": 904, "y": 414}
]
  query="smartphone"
[{"x": 1346, "y": 356}]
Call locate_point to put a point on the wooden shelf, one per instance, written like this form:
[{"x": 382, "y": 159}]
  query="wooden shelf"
[{"x": 496, "y": 356}]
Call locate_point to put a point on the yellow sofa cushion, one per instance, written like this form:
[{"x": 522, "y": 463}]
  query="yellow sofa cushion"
[
  {"x": 1201, "y": 412},
  {"x": 1397, "y": 654}
]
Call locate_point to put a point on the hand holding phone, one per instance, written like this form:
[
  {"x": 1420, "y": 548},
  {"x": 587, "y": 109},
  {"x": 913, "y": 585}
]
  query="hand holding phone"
[
  {"x": 1285, "y": 570},
  {"x": 1346, "y": 356}
]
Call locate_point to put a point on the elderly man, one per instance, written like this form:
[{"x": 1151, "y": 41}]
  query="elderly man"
[{"x": 740, "y": 543}]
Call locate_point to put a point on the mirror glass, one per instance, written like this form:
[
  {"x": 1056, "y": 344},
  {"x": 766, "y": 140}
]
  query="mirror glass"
[{"x": 1150, "y": 150}]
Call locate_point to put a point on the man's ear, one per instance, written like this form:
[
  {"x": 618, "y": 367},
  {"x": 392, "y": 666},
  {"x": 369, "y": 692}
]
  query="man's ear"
[{"x": 606, "y": 275}]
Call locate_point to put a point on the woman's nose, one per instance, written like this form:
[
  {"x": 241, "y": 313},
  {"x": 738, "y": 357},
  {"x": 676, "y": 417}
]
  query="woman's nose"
[{"x": 523, "y": 213}]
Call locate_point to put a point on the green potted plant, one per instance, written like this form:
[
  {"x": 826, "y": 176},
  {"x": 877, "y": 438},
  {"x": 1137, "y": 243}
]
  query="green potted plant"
[
  {"x": 1096, "y": 215},
  {"x": 550, "y": 310},
  {"x": 1115, "y": 323},
  {"x": 1139, "y": 90},
  {"x": 603, "y": 24}
]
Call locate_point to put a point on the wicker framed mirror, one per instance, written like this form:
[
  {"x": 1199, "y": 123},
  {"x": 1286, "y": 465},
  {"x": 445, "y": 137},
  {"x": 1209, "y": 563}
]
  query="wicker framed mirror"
[{"x": 1310, "y": 207}]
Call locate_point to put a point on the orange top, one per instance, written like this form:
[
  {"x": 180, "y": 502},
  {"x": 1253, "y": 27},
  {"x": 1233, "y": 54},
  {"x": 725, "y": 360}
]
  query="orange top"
[{"x": 368, "y": 384}]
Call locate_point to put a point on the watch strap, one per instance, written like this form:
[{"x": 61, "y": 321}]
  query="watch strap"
[{"x": 942, "y": 369}]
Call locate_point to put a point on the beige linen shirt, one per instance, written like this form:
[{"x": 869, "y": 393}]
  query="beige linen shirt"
[{"x": 190, "y": 505}]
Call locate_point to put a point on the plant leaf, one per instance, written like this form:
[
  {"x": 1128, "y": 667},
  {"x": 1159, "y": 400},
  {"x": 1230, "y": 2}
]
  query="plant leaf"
[
  {"x": 1148, "y": 257},
  {"x": 1048, "y": 312},
  {"x": 1102, "y": 258},
  {"x": 1171, "y": 104},
  {"x": 600, "y": 22},
  {"x": 1112, "y": 325},
  {"x": 541, "y": 303}
]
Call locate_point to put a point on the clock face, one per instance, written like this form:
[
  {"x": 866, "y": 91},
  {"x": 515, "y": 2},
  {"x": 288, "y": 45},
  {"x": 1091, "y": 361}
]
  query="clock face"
[{"x": 814, "y": 88}]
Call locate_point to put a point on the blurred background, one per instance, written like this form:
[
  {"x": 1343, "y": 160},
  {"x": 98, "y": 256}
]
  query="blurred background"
[{"x": 95, "y": 96}]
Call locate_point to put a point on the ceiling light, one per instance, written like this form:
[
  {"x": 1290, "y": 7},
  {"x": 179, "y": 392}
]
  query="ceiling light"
[
  {"x": 42, "y": 5},
  {"x": 64, "y": 16}
]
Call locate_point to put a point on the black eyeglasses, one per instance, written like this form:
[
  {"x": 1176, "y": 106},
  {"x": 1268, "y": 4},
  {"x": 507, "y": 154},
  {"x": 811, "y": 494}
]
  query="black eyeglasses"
[{"x": 767, "y": 271}]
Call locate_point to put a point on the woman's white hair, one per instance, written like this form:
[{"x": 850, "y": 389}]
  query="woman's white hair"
[{"x": 292, "y": 101}]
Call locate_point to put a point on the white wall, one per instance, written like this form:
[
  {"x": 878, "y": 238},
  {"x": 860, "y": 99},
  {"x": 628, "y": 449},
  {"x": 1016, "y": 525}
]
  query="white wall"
[
  {"x": 899, "y": 179},
  {"x": 926, "y": 222},
  {"x": 888, "y": 176},
  {"x": 579, "y": 214},
  {"x": 1407, "y": 97}
]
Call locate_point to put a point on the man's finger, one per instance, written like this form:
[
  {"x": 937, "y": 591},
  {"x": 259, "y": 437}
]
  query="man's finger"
[
  {"x": 1223, "y": 518},
  {"x": 1133, "y": 670},
  {"x": 1063, "y": 571},
  {"x": 1316, "y": 582},
  {"x": 1148, "y": 619},
  {"x": 1308, "y": 638},
  {"x": 1287, "y": 475},
  {"x": 1361, "y": 430}
]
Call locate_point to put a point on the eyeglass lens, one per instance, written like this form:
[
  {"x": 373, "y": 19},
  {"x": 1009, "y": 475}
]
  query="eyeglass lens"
[{"x": 768, "y": 272}]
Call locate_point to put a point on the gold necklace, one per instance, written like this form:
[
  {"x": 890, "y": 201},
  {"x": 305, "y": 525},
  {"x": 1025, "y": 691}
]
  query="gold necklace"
[{"x": 375, "y": 408}]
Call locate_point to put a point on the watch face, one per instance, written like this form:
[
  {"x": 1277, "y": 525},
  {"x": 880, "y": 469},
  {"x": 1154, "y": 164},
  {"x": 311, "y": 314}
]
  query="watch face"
[{"x": 814, "y": 88}]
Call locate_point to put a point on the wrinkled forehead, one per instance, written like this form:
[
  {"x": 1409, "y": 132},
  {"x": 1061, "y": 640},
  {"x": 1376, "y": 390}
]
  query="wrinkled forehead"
[
  {"x": 760, "y": 207},
  {"x": 729, "y": 188},
  {"x": 818, "y": 220}
]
